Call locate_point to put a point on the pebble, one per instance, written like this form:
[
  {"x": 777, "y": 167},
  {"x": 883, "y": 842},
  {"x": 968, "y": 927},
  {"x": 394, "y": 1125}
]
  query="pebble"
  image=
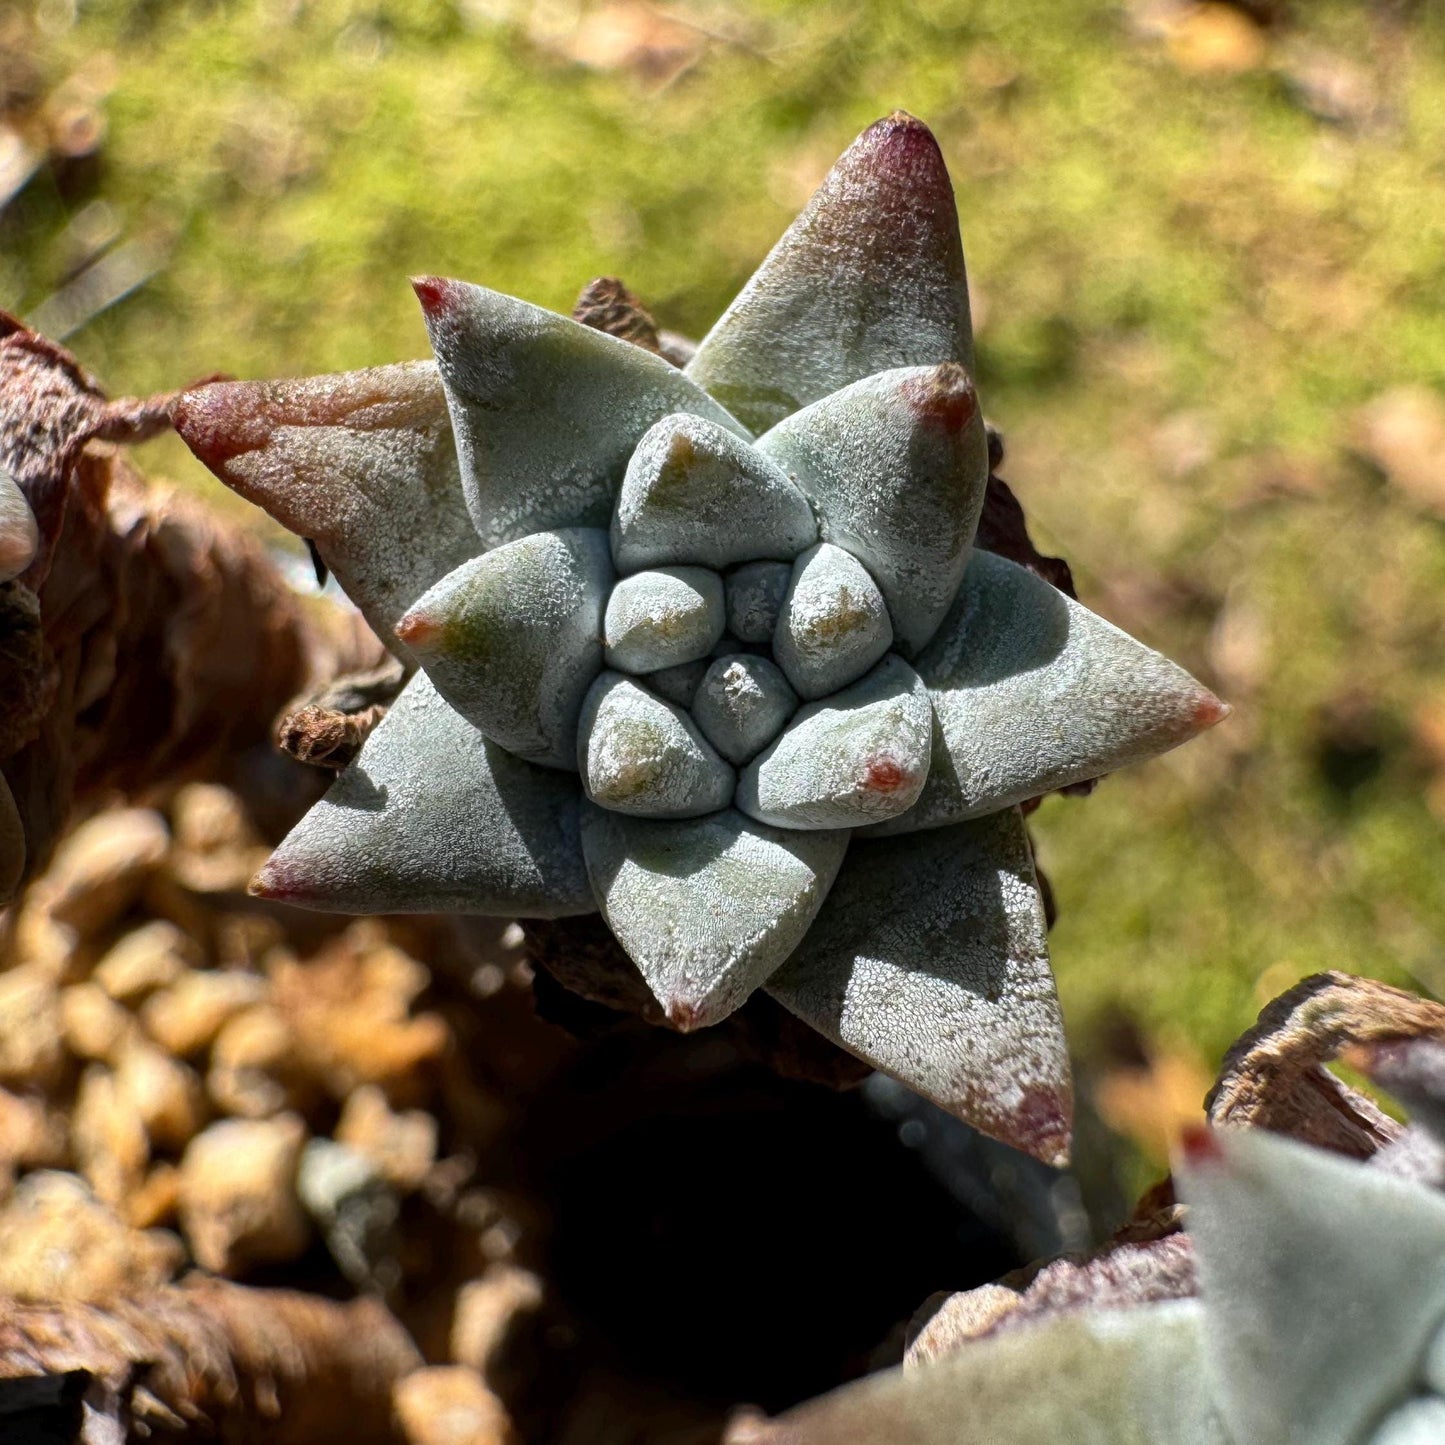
[{"x": 238, "y": 1193}]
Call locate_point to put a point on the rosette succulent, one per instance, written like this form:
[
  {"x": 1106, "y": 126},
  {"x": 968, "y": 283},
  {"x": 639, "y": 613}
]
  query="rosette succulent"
[{"x": 709, "y": 648}]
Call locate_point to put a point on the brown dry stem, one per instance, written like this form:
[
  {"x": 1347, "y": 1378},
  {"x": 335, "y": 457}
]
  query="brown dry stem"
[{"x": 148, "y": 642}]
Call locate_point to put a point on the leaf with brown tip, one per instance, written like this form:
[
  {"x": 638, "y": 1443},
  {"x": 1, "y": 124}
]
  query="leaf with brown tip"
[
  {"x": 930, "y": 961},
  {"x": 870, "y": 276},
  {"x": 361, "y": 463}
]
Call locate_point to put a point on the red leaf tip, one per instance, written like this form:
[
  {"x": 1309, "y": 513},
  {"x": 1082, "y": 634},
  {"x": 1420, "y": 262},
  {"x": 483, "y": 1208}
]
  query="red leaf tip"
[
  {"x": 437, "y": 294},
  {"x": 277, "y": 881},
  {"x": 418, "y": 629},
  {"x": 1200, "y": 1146},
  {"x": 1042, "y": 1125},
  {"x": 684, "y": 1017},
  {"x": 944, "y": 397},
  {"x": 1210, "y": 710}
]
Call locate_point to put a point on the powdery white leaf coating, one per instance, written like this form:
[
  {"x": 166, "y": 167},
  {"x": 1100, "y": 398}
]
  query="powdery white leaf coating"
[
  {"x": 363, "y": 463},
  {"x": 546, "y": 411},
  {"x": 857, "y": 757},
  {"x": 1032, "y": 691},
  {"x": 833, "y": 624},
  {"x": 1420, "y": 1421},
  {"x": 695, "y": 492},
  {"x": 869, "y": 277},
  {"x": 755, "y": 593},
  {"x": 707, "y": 909},
  {"x": 742, "y": 704},
  {"x": 640, "y": 754},
  {"x": 1324, "y": 1283},
  {"x": 20, "y": 537},
  {"x": 513, "y": 639},
  {"x": 663, "y": 618},
  {"x": 1115, "y": 1377},
  {"x": 678, "y": 684},
  {"x": 431, "y": 817},
  {"x": 930, "y": 961},
  {"x": 896, "y": 467}
]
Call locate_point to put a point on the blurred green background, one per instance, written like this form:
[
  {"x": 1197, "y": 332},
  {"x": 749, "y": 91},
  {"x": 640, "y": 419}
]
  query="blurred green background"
[{"x": 1207, "y": 244}]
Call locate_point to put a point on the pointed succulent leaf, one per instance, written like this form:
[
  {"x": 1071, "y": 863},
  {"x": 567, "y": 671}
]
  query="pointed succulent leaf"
[
  {"x": 513, "y": 639},
  {"x": 755, "y": 593},
  {"x": 546, "y": 411},
  {"x": 833, "y": 624},
  {"x": 1032, "y": 692},
  {"x": 857, "y": 757},
  {"x": 896, "y": 467},
  {"x": 639, "y": 754},
  {"x": 869, "y": 277},
  {"x": 363, "y": 464},
  {"x": 663, "y": 618},
  {"x": 1115, "y": 1377},
  {"x": 707, "y": 909},
  {"x": 1323, "y": 1283},
  {"x": 20, "y": 537},
  {"x": 742, "y": 704},
  {"x": 930, "y": 961},
  {"x": 695, "y": 492},
  {"x": 432, "y": 817}
]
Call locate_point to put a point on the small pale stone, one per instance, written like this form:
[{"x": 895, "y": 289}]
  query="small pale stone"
[
  {"x": 833, "y": 625},
  {"x": 165, "y": 1094},
  {"x": 742, "y": 705},
  {"x": 254, "y": 1067},
  {"x": 63, "y": 1244},
  {"x": 185, "y": 1018},
  {"x": 145, "y": 959},
  {"x": 402, "y": 1144},
  {"x": 31, "y": 1135},
  {"x": 754, "y": 594},
  {"x": 98, "y": 871},
  {"x": 449, "y": 1405},
  {"x": 355, "y": 1208},
  {"x": 95, "y": 1026},
  {"x": 641, "y": 755},
  {"x": 857, "y": 757},
  {"x": 238, "y": 1199},
  {"x": 488, "y": 1312},
  {"x": 108, "y": 1136},
  {"x": 156, "y": 1199},
  {"x": 663, "y": 618},
  {"x": 31, "y": 1051},
  {"x": 206, "y": 817}
]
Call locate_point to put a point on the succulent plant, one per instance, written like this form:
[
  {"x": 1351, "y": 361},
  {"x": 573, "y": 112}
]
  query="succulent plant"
[
  {"x": 710, "y": 649},
  {"x": 1320, "y": 1320}
]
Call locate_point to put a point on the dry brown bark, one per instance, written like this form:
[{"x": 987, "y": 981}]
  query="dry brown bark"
[
  {"x": 203, "y": 1361},
  {"x": 148, "y": 642},
  {"x": 1274, "y": 1076}
]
